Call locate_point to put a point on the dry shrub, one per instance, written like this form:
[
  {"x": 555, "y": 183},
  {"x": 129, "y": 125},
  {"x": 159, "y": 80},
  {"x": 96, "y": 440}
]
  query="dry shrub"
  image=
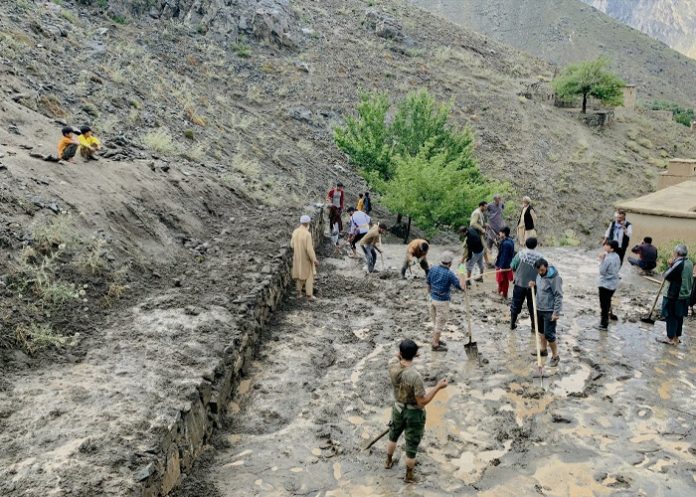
[
  {"x": 193, "y": 117},
  {"x": 51, "y": 106}
]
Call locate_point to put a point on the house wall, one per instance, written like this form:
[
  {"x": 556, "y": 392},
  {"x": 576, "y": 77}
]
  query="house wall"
[{"x": 661, "y": 228}]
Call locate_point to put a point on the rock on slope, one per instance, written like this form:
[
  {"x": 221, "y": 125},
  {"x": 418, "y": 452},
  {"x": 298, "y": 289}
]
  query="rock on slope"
[
  {"x": 670, "y": 21},
  {"x": 566, "y": 31},
  {"x": 217, "y": 119}
]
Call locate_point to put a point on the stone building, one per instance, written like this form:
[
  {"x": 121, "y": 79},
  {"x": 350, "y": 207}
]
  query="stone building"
[{"x": 668, "y": 214}]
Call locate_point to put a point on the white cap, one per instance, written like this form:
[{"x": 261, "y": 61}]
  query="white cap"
[
  {"x": 305, "y": 219},
  {"x": 446, "y": 258}
]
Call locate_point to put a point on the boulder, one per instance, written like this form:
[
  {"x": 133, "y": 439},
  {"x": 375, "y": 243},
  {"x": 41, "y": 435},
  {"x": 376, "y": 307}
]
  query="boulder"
[{"x": 383, "y": 25}]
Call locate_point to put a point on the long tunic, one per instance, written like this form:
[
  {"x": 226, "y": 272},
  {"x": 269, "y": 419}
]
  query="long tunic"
[{"x": 303, "y": 258}]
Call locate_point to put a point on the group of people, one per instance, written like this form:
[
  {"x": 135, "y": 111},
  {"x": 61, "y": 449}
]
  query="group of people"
[
  {"x": 532, "y": 276},
  {"x": 80, "y": 141}
]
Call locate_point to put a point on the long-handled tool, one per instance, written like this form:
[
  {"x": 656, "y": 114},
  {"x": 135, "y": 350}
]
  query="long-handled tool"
[
  {"x": 538, "y": 340},
  {"x": 470, "y": 348},
  {"x": 381, "y": 257},
  {"x": 377, "y": 439},
  {"x": 648, "y": 319}
]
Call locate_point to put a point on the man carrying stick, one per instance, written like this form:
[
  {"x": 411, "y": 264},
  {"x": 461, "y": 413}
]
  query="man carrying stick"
[
  {"x": 549, "y": 300},
  {"x": 408, "y": 413}
]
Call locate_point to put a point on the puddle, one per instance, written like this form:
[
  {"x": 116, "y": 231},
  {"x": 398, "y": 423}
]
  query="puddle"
[{"x": 573, "y": 382}]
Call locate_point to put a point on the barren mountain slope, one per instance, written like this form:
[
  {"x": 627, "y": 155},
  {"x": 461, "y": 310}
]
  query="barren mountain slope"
[
  {"x": 566, "y": 31},
  {"x": 670, "y": 21},
  {"x": 217, "y": 119}
]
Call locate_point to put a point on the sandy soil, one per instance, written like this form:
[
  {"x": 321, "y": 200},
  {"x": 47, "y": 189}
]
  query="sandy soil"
[{"x": 614, "y": 419}]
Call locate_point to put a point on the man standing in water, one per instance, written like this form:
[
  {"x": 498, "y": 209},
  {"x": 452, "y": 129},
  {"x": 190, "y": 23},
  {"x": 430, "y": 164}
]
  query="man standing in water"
[
  {"x": 304, "y": 260},
  {"x": 525, "y": 273},
  {"x": 441, "y": 279},
  {"x": 549, "y": 288},
  {"x": 609, "y": 267},
  {"x": 410, "y": 399},
  {"x": 675, "y": 300}
]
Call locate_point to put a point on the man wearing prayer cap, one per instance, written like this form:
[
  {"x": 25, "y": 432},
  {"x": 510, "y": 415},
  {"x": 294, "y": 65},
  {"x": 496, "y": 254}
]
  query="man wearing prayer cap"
[{"x": 304, "y": 260}]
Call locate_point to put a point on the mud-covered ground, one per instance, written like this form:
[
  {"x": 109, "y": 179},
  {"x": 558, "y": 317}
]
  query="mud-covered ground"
[{"x": 615, "y": 418}]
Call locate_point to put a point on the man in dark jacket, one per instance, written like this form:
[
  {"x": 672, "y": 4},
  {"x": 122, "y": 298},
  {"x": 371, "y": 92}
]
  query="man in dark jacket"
[
  {"x": 647, "y": 255},
  {"x": 525, "y": 272},
  {"x": 506, "y": 251},
  {"x": 549, "y": 289},
  {"x": 675, "y": 300}
]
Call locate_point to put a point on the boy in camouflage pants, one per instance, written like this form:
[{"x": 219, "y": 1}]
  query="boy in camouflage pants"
[{"x": 408, "y": 413}]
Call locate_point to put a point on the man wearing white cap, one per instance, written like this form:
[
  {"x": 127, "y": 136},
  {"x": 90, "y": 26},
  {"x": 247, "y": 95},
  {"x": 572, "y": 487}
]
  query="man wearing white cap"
[
  {"x": 440, "y": 282},
  {"x": 304, "y": 260}
]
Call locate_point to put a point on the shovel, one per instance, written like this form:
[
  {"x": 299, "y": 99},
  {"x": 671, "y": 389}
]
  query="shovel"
[
  {"x": 377, "y": 438},
  {"x": 648, "y": 319},
  {"x": 470, "y": 348},
  {"x": 538, "y": 340}
]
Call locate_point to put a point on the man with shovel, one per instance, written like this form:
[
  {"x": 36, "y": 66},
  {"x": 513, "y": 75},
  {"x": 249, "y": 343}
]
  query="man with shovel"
[
  {"x": 441, "y": 279},
  {"x": 675, "y": 301},
  {"x": 549, "y": 290},
  {"x": 408, "y": 413}
]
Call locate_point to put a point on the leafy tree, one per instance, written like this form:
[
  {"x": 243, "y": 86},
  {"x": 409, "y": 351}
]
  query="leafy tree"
[
  {"x": 424, "y": 167},
  {"x": 366, "y": 139},
  {"x": 435, "y": 190},
  {"x": 590, "y": 79}
]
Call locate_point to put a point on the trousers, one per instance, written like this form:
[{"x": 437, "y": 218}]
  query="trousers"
[
  {"x": 519, "y": 294},
  {"x": 308, "y": 285},
  {"x": 605, "y": 296},
  {"x": 439, "y": 312}
]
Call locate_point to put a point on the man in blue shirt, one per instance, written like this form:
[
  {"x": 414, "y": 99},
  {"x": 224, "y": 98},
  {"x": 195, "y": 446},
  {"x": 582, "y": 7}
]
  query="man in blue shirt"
[{"x": 441, "y": 279}]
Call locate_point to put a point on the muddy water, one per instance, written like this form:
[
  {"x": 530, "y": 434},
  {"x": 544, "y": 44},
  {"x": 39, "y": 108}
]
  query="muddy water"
[{"x": 616, "y": 418}]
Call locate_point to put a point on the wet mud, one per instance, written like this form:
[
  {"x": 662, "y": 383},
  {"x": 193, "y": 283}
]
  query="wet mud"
[{"x": 615, "y": 418}]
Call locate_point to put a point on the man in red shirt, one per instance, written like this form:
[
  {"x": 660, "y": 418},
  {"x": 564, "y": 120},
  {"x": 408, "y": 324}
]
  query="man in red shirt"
[{"x": 336, "y": 197}]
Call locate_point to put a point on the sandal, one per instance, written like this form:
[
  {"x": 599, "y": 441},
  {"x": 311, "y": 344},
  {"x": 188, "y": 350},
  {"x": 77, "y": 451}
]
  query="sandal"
[
  {"x": 665, "y": 341},
  {"x": 439, "y": 348}
]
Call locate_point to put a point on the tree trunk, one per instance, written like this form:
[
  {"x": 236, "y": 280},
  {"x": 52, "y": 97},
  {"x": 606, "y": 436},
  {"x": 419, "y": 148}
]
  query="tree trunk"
[
  {"x": 584, "y": 103},
  {"x": 399, "y": 217},
  {"x": 408, "y": 230}
]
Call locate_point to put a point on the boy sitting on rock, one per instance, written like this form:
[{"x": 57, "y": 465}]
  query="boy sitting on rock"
[
  {"x": 67, "y": 146},
  {"x": 89, "y": 144}
]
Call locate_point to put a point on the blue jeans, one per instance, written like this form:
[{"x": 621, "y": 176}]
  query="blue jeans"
[
  {"x": 370, "y": 257},
  {"x": 646, "y": 266}
]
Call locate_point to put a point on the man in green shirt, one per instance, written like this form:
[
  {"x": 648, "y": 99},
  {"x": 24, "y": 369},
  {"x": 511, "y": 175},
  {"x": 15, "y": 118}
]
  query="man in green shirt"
[{"x": 408, "y": 413}]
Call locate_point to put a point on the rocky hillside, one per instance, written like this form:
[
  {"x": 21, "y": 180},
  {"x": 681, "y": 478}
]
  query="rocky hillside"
[
  {"x": 566, "y": 31},
  {"x": 670, "y": 21}
]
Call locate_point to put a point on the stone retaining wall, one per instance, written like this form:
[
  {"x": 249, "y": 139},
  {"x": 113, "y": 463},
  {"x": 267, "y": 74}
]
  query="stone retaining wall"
[{"x": 182, "y": 441}]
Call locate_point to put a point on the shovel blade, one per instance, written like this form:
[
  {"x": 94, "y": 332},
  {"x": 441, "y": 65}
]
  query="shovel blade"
[
  {"x": 647, "y": 320},
  {"x": 471, "y": 350}
]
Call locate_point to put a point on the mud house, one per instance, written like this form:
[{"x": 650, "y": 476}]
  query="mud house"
[
  {"x": 678, "y": 170},
  {"x": 666, "y": 215}
]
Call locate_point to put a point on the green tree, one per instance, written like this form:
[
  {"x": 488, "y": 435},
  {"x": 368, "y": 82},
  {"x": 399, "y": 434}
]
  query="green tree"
[
  {"x": 590, "y": 79},
  {"x": 437, "y": 191},
  {"x": 366, "y": 139}
]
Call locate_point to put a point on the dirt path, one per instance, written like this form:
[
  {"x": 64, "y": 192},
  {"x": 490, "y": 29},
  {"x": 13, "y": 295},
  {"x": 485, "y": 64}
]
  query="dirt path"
[{"x": 616, "y": 418}]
